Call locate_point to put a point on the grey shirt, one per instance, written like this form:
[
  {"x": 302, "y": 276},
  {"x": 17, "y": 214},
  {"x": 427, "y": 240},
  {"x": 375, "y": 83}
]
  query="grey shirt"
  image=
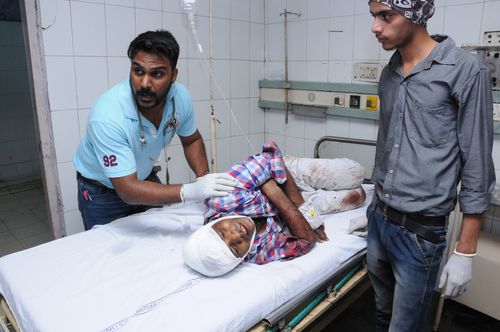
[{"x": 435, "y": 129}]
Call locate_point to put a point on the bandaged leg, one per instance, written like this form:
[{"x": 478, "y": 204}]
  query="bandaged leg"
[
  {"x": 328, "y": 174},
  {"x": 326, "y": 202}
]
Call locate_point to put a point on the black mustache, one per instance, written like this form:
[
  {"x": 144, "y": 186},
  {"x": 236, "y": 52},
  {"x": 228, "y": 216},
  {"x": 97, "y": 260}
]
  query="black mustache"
[{"x": 145, "y": 93}]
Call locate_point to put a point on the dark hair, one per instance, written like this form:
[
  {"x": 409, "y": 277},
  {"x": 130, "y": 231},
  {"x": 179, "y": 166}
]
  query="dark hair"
[{"x": 159, "y": 42}]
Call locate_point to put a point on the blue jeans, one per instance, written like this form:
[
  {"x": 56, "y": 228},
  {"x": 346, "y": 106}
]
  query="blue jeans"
[
  {"x": 403, "y": 269},
  {"x": 100, "y": 205}
]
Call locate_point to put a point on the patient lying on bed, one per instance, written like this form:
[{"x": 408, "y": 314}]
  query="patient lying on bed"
[{"x": 264, "y": 219}]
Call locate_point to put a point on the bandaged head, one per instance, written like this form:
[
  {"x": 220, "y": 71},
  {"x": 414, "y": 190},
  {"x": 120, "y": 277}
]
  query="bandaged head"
[
  {"x": 206, "y": 252},
  {"x": 417, "y": 11}
]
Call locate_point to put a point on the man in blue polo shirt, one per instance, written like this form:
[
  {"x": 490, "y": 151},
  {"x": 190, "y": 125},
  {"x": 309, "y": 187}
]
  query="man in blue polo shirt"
[{"x": 129, "y": 126}]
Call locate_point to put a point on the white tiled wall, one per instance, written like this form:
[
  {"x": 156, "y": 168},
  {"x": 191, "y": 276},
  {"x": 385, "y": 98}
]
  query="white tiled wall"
[
  {"x": 85, "y": 44},
  {"x": 18, "y": 152},
  {"x": 324, "y": 47}
]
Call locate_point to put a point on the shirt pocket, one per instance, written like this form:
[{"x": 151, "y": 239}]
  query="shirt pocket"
[{"x": 429, "y": 125}]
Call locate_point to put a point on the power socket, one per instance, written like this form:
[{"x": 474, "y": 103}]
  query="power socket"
[
  {"x": 492, "y": 38},
  {"x": 366, "y": 71}
]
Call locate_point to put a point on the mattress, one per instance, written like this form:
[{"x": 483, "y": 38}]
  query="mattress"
[{"x": 129, "y": 275}]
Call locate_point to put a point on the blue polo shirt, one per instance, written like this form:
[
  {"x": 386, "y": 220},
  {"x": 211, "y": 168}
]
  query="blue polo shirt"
[{"x": 111, "y": 146}]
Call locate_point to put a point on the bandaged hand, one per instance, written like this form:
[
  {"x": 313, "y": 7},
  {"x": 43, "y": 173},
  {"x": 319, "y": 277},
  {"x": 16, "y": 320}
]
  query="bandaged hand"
[
  {"x": 457, "y": 274},
  {"x": 215, "y": 184},
  {"x": 314, "y": 219}
]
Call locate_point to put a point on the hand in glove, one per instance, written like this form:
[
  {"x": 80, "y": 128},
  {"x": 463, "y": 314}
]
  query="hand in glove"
[
  {"x": 457, "y": 274},
  {"x": 215, "y": 184}
]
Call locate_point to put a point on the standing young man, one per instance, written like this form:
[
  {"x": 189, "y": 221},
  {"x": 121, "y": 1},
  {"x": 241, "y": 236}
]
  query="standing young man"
[
  {"x": 435, "y": 130},
  {"x": 129, "y": 126}
]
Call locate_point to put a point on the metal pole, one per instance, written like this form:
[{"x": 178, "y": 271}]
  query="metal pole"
[
  {"x": 286, "y": 83},
  {"x": 213, "y": 131}
]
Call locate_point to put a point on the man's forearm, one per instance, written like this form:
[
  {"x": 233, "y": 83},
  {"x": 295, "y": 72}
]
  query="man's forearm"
[
  {"x": 196, "y": 156},
  {"x": 469, "y": 234},
  {"x": 140, "y": 192}
]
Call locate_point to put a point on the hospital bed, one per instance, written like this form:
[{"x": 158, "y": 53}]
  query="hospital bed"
[{"x": 129, "y": 275}]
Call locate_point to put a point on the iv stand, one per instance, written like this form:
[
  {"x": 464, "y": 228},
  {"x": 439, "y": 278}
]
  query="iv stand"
[{"x": 286, "y": 83}]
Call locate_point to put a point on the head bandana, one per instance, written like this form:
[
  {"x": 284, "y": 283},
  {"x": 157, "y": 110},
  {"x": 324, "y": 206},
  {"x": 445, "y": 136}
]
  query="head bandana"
[
  {"x": 208, "y": 254},
  {"x": 417, "y": 11}
]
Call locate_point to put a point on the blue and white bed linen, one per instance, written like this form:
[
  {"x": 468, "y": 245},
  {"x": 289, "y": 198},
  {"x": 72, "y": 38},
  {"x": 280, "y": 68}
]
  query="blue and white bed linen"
[{"x": 129, "y": 276}]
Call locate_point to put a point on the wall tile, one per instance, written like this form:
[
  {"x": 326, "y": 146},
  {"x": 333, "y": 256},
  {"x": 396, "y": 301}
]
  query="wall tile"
[
  {"x": 315, "y": 128},
  {"x": 74, "y": 222},
  {"x": 119, "y": 30},
  {"x": 436, "y": 24},
  {"x": 177, "y": 166},
  {"x": 61, "y": 82},
  {"x": 147, "y": 20},
  {"x": 297, "y": 39},
  {"x": 296, "y": 6},
  {"x": 337, "y": 126},
  {"x": 295, "y": 126},
  {"x": 222, "y": 8},
  {"x": 490, "y": 17},
  {"x": 83, "y": 116},
  {"x": 458, "y": 23},
  {"x": 176, "y": 23},
  {"x": 317, "y": 39},
  {"x": 297, "y": 70},
  {"x": 66, "y": 134},
  {"x": 273, "y": 10},
  {"x": 118, "y": 69},
  {"x": 257, "y": 11},
  {"x": 88, "y": 28},
  {"x": 256, "y": 74},
  {"x": 91, "y": 79},
  {"x": 317, "y": 71},
  {"x": 257, "y": 38},
  {"x": 126, "y": 3},
  {"x": 257, "y": 117},
  {"x": 240, "y": 73},
  {"x": 341, "y": 38},
  {"x": 341, "y": 8},
  {"x": 202, "y": 112},
  {"x": 241, "y": 117},
  {"x": 222, "y": 113},
  {"x": 240, "y": 10},
  {"x": 239, "y": 149},
  {"x": 340, "y": 71},
  {"x": 294, "y": 146},
  {"x": 68, "y": 185},
  {"x": 362, "y": 129},
  {"x": 222, "y": 39},
  {"x": 149, "y": 4},
  {"x": 198, "y": 78},
  {"x": 278, "y": 139},
  {"x": 223, "y": 154},
  {"x": 240, "y": 40},
  {"x": 56, "y": 21},
  {"x": 275, "y": 42},
  {"x": 367, "y": 45},
  {"x": 222, "y": 79},
  {"x": 275, "y": 122},
  {"x": 318, "y": 9}
]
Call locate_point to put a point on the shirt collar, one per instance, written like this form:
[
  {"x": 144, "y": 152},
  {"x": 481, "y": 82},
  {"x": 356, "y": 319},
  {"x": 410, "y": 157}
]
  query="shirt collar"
[
  {"x": 443, "y": 53},
  {"x": 127, "y": 99}
]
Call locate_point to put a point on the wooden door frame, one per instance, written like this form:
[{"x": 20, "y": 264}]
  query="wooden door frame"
[{"x": 35, "y": 55}]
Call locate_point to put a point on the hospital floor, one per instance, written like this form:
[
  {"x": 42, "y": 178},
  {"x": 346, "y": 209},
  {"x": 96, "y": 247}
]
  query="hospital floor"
[
  {"x": 23, "y": 216},
  {"x": 359, "y": 317}
]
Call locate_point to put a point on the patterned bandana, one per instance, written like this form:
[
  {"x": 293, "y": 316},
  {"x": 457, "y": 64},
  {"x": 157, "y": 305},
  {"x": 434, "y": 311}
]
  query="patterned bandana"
[{"x": 417, "y": 11}]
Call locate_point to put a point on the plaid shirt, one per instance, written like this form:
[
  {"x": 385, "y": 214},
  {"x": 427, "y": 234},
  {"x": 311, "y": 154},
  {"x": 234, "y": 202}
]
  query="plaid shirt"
[{"x": 275, "y": 242}]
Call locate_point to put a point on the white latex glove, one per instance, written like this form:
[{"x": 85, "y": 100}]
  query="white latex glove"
[
  {"x": 314, "y": 219},
  {"x": 215, "y": 184},
  {"x": 457, "y": 274}
]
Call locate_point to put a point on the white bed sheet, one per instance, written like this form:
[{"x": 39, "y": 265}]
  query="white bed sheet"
[{"x": 129, "y": 276}]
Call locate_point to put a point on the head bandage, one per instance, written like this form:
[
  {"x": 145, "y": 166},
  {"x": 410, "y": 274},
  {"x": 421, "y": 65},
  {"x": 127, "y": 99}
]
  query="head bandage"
[
  {"x": 208, "y": 254},
  {"x": 417, "y": 11}
]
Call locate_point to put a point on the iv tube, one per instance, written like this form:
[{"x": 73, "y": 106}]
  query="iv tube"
[{"x": 189, "y": 7}]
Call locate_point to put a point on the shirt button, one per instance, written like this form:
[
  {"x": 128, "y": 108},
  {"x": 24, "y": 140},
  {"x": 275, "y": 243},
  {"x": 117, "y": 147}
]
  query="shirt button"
[
  {"x": 396, "y": 146},
  {"x": 386, "y": 195},
  {"x": 391, "y": 171}
]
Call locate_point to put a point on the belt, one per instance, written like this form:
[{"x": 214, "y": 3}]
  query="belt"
[
  {"x": 411, "y": 221},
  {"x": 90, "y": 181}
]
